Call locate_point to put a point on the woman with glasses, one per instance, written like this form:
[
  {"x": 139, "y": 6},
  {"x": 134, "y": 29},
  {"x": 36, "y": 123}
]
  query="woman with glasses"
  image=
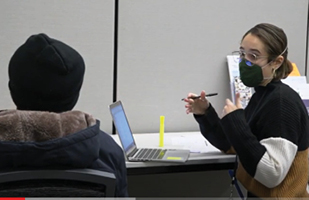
[{"x": 271, "y": 135}]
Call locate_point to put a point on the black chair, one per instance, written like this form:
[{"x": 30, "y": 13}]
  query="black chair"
[{"x": 57, "y": 183}]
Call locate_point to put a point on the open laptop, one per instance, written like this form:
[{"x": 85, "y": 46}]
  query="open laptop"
[{"x": 141, "y": 154}]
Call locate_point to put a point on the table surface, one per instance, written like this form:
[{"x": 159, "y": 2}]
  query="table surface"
[{"x": 203, "y": 155}]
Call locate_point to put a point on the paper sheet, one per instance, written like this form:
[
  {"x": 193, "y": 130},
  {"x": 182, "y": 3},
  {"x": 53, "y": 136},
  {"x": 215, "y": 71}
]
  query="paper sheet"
[{"x": 195, "y": 143}]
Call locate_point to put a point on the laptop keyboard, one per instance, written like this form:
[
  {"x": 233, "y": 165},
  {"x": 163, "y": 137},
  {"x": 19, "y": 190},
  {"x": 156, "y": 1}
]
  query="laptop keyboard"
[{"x": 149, "y": 154}]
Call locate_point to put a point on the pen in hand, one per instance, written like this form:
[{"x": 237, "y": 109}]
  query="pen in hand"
[{"x": 196, "y": 97}]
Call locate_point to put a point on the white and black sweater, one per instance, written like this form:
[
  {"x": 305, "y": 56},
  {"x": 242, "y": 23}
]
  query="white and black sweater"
[{"x": 271, "y": 138}]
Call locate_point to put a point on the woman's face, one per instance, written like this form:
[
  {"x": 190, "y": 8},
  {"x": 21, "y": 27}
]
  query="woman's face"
[{"x": 251, "y": 44}]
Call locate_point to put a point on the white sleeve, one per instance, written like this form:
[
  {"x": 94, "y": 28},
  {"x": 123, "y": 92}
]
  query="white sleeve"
[{"x": 276, "y": 162}]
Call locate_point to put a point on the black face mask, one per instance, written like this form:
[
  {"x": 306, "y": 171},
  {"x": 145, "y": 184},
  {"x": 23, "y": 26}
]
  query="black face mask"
[{"x": 251, "y": 75}]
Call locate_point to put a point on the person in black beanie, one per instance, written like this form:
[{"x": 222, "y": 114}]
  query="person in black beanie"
[
  {"x": 45, "y": 78},
  {"x": 45, "y": 74}
]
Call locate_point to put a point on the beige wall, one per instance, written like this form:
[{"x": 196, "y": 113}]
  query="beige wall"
[
  {"x": 88, "y": 26},
  {"x": 167, "y": 48}
]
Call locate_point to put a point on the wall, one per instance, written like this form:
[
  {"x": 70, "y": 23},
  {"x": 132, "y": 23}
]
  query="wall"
[
  {"x": 168, "y": 48},
  {"x": 87, "y": 26}
]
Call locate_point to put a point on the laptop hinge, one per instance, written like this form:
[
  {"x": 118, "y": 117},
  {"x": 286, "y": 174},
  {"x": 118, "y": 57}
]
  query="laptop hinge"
[{"x": 133, "y": 152}]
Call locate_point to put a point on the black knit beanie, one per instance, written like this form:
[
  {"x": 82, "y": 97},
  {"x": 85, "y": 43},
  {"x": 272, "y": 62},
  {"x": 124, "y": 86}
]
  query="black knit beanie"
[{"x": 46, "y": 75}]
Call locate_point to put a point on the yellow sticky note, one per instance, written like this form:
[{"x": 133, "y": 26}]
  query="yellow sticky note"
[
  {"x": 161, "y": 139},
  {"x": 173, "y": 158}
]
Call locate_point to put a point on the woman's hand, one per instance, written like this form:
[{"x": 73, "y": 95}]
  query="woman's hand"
[
  {"x": 196, "y": 106},
  {"x": 230, "y": 106}
]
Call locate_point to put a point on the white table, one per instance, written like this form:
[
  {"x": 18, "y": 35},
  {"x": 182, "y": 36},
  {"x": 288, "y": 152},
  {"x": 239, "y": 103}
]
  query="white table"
[{"x": 202, "y": 157}]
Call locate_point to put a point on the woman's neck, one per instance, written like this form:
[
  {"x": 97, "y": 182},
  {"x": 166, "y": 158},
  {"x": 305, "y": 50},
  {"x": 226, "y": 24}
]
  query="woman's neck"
[{"x": 265, "y": 82}]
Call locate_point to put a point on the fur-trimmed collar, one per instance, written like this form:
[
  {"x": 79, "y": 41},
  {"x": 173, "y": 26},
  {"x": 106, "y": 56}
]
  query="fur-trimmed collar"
[{"x": 17, "y": 125}]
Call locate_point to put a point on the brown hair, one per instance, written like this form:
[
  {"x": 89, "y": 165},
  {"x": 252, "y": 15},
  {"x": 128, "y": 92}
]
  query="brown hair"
[{"x": 275, "y": 42}]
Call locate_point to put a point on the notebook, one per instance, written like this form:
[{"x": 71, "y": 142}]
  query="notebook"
[{"x": 141, "y": 154}]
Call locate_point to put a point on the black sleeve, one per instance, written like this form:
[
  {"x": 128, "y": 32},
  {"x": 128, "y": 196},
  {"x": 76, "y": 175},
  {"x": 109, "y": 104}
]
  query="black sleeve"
[
  {"x": 246, "y": 145},
  {"x": 122, "y": 174},
  {"x": 112, "y": 157},
  {"x": 281, "y": 117},
  {"x": 211, "y": 128}
]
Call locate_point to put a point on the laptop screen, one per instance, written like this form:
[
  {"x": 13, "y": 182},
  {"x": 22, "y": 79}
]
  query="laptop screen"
[{"x": 122, "y": 126}]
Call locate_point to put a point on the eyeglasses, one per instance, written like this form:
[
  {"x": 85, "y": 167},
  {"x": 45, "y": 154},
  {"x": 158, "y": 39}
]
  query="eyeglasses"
[{"x": 248, "y": 55}]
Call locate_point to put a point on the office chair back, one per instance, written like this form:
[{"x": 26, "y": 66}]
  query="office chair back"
[{"x": 57, "y": 183}]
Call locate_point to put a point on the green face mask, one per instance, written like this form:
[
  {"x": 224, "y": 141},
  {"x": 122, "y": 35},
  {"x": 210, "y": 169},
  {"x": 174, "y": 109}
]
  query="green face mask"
[{"x": 250, "y": 74}]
